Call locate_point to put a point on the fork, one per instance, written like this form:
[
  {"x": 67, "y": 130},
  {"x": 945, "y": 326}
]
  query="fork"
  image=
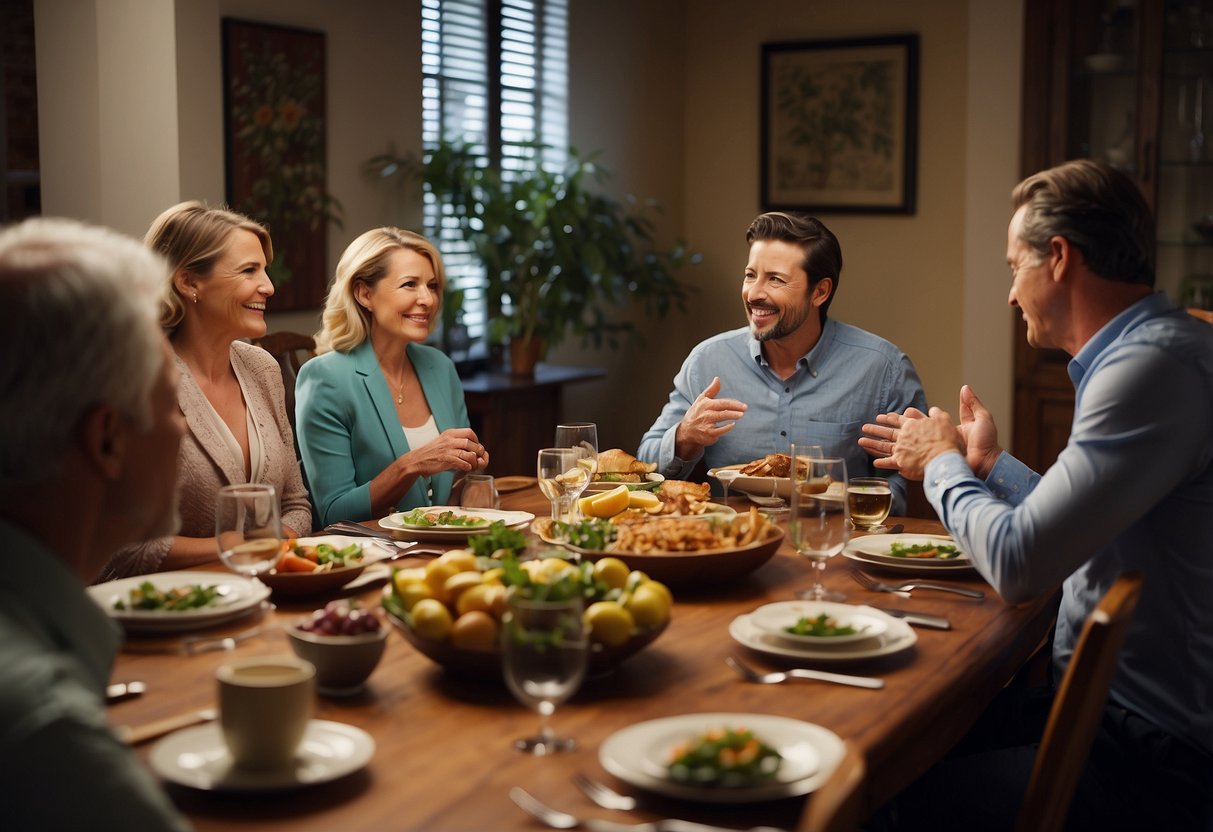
[
  {"x": 868, "y": 582},
  {"x": 604, "y": 795},
  {"x": 563, "y": 820},
  {"x": 777, "y": 676}
]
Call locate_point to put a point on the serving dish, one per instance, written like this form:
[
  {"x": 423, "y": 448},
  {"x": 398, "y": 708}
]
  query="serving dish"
[{"x": 303, "y": 584}]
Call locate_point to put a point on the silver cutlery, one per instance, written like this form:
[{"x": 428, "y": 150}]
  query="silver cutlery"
[
  {"x": 563, "y": 820},
  {"x": 158, "y": 728},
  {"x": 193, "y": 645},
  {"x": 920, "y": 618},
  {"x": 604, "y": 795},
  {"x": 775, "y": 677},
  {"x": 122, "y": 691},
  {"x": 868, "y": 582}
]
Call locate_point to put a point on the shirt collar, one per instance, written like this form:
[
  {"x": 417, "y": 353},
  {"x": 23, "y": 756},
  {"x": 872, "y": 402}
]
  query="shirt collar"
[
  {"x": 813, "y": 359},
  {"x": 54, "y": 598},
  {"x": 1150, "y": 306}
]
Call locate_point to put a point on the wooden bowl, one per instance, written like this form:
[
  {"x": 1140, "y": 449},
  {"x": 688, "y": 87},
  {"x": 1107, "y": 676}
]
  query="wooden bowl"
[{"x": 486, "y": 664}]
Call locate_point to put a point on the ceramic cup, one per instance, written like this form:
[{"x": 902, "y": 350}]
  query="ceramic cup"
[{"x": 265, "y": 704}]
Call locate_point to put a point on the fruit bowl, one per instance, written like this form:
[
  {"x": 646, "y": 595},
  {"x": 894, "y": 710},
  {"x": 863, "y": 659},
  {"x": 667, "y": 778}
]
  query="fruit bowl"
[{"x": 486, "y": 664}]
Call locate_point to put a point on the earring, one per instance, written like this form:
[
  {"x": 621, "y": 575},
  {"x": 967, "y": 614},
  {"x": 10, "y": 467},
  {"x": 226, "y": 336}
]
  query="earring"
[{"x": 195, "y": 297}]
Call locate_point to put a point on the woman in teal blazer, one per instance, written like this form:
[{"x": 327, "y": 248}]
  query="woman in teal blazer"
[{"x": 380, "y": 417}]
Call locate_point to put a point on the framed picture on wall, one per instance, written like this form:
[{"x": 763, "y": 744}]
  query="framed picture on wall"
[
  {"x": 275, "y": 150},
  {"x": 839, "y": 125}
]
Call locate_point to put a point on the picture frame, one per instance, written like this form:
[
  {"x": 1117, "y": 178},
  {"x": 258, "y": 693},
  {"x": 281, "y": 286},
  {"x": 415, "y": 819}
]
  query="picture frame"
[
  {"x": 839, "y": 125},
  {"x": 275, "y": 150}
]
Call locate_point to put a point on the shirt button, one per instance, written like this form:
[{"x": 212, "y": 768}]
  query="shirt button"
[
  {"x": 783, "y": 433},
  {"x": 787, "y": 389}
]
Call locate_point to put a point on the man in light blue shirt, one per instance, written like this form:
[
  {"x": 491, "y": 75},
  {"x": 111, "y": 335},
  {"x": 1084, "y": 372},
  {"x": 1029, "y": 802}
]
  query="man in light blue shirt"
[
  {"x": 792, "y": 376},
  {"x": 1132, "y": 491}
]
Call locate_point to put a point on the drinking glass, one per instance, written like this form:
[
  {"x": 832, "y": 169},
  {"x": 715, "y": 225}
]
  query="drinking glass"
[
  {"x": 544, "y": 649},
  {"x": 819, "y": 522},
  {"x": 799, "y": 454},
  {"x": 869, "y": 499},
  {"x": 248, "y": 527},
  {"x": 562, "y": 478},
  {"x": 582, "y": 436},
  {"x": 479, "y": 491}
]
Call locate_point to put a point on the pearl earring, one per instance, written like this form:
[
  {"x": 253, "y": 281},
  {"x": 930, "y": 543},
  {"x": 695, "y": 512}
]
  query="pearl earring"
[{"x": 195, "y": 297}]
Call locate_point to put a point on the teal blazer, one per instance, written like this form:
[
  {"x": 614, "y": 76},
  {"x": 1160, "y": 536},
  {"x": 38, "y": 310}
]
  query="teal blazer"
[{"x": 349, "y": 432}]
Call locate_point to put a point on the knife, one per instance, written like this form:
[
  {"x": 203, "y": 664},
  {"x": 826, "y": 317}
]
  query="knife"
[
  {"x": 121, "y": 691},
  {"x": 160, "y": 727},
  {"x": 920, "y": 618}
]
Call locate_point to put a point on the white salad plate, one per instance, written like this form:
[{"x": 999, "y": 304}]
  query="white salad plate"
[
  {"x": 898, "y": 636},
  {"x": 198, "y": 758},
  {"x": 640, "y": 754},
  {"x": 776, "y": 618},
  {"x": 875, "y": 549},
  {"x": 394, "y": 523},
  {"x": 239, "y": 596}
]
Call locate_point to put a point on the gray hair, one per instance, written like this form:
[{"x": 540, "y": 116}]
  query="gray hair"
[{"x": 80, "y": 329}]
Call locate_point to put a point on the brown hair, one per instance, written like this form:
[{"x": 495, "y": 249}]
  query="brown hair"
[{"x": 822, "y": 254}]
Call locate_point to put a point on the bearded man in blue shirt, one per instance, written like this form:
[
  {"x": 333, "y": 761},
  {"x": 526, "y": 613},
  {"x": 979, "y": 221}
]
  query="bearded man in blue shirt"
[
  {"x": 793, "y": 375},
  {"x": 1131, "y": 491}
]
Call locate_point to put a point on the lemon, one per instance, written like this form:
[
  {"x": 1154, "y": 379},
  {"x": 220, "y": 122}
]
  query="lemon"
[
  {"x": 404, "y": 577},
  {"x": 607, "y": 504},
  {"x": 458, "y": 584},
  {"x": 437, "y": 574},
  {"x": 414, "y": 592},
  {"x": 431, "y": 619},
  {"x": 643, "y": 500},
  {"x": 609, "y": 623},
  {"x": 648, "y": 606},
  {"x": 474, "y": 630},
  {"x": 635, "y": 579},
  {"x": 463, "y": 560},
  {"x": 493, "y": 576},
  {"x": 611, "y": 571}
]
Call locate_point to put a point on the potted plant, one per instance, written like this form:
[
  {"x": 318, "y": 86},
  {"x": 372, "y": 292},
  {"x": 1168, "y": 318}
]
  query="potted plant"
[{"x": 560, "y": 255}]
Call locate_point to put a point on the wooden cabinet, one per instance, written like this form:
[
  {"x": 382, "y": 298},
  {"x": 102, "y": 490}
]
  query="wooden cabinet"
[{"x": 1128, "y": 82}]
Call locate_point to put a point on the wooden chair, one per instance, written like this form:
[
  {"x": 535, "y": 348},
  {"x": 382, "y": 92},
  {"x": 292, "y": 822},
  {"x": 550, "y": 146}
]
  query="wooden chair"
[
  {"x": 1203, "y": 314},
  {"x": 290, "y": 350},
  {"x": 1078, "y": 709},
  {"x": 838, "y": 805}
]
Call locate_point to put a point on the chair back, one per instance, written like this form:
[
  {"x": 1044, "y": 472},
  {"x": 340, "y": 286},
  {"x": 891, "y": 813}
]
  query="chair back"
[
  {"x": 1078, "y": 709},
  {"x": 838, "y": 805},
  {"x": 290, "y": 350}
]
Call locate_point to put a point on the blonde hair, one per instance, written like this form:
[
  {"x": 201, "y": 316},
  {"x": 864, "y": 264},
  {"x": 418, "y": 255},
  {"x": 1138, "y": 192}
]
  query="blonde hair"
[
  {"x": 192, "y": 236},
  {"x": 347, "y": 323}
]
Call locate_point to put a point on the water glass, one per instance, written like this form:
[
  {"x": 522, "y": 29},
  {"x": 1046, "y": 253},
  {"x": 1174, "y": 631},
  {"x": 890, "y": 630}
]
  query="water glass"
[
  {"x": 869, "y": 499},
  {"x": 819, "y": 524},
  {"x": 248, "y": 527},
  {"x": 544, "y": 651},
  {"x": 562, "y": 478},
  {"x": 582, "y": 435},
  {"x": 479, "y": 491}
]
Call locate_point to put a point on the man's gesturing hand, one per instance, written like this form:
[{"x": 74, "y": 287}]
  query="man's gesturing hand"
[{"x": 706, "y": 420}]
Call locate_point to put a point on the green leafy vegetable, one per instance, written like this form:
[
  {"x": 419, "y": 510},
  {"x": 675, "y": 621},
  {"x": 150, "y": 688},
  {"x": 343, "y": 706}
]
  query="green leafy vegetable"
[
  {"x": 429, "y": 518},
  {"x": 822, "y": 625},
  {"x": 943, "y": 551},
  {"x": 499, "y": 537},
  {"x": 724, "y": 757},
  {"x": 147, "y": 597}
]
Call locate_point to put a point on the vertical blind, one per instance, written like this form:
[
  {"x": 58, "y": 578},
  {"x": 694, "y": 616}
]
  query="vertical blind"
[{"x": 495, "y": 75}]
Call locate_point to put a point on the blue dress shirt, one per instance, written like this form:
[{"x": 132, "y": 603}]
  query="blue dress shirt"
[
  {"x": 1132, "y": 490},
  {"x": 847, "y": 378}
]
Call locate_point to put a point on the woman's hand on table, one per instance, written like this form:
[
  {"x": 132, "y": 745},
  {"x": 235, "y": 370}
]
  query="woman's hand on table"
[{"x": 456, "y": 449}]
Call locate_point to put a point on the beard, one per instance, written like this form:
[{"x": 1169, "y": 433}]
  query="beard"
[{"x": 788, "y": 321}]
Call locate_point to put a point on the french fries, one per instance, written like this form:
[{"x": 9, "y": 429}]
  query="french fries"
[{"x": 690, "y": 535}]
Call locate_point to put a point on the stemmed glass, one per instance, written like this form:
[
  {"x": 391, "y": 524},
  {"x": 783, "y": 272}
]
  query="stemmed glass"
[
  {"x": 820, "y": 522},
  {"x": 248, "y": 527},
  {"x": 544, "y": 649},
  {"x": 584, "y": 437},
  {"x": 562, "y": 477},
  {"x": 479, "y": 491},
  {"x": 725, "y": 477}
]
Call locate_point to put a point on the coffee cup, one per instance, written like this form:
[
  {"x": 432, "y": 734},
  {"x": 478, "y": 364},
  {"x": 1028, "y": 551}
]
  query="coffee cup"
[{"x": 265, "y": 704}]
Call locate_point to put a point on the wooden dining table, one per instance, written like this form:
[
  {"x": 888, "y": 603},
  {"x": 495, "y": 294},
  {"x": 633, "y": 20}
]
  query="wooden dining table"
[{"x": 444, "y": 756}]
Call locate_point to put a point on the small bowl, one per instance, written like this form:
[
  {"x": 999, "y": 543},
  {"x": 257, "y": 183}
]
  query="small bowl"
[{"x": 343, "y": 663}]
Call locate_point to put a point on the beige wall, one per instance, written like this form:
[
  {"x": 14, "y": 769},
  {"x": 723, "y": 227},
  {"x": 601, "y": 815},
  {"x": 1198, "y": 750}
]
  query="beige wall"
[{"x": 667, "y": 90}]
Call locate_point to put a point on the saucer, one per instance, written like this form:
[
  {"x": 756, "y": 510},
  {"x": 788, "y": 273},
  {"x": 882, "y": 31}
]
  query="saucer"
[{"x": 198, "y": 758}]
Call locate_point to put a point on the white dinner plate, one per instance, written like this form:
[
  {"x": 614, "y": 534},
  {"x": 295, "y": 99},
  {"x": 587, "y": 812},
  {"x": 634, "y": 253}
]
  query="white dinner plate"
[
  {"x": 197, "y": 757},
  {"x": 395, "y": 524},
  {"x": 874, "y": 549},
  {"x": 240, "y": 596},
  {"x": 776, "y": 618},
  {"x": 898, "y": 636},
  {"x": 639, "y": 754}
]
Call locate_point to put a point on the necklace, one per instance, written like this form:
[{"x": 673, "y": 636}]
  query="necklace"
[{"x": 399, "y": 385}]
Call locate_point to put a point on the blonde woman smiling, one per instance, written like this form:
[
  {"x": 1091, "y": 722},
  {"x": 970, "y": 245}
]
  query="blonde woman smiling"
[{"x": 381, "y": 417}]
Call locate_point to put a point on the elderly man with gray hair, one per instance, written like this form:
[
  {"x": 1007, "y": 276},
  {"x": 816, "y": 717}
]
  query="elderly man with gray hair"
[{"x": 88, "y": 461}]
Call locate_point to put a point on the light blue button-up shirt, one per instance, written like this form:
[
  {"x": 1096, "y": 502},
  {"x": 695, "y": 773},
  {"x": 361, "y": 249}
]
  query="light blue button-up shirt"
[
  {"x": 847, "y": 378},
  {"x": 1132, "y": 490}
]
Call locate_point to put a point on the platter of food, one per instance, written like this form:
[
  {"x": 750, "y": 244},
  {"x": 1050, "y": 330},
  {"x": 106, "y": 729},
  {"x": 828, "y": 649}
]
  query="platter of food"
[
  {"x": 651, "y": 755},
  {"x": 164, "y": 602},
  {"x": 324, "y": 563},
  {"x": 909, "y": 552},
  {"x": 675, "y": 549},
  {"x": 449, "y": 523}
]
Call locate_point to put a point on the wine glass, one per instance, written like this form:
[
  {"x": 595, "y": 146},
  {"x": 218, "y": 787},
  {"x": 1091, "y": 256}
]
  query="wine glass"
[
  {"x": 248, "y": 527},
  {"x": 562, "y": 477},
  {"x": 799, "y": 455},
  {"x": 583, "y": 436},
  {"x": 819, "y": 523},
  {"x": 869, "y": 499},
  {"x": 544, "y": 650},
  {"x": 479, "y": 491}
]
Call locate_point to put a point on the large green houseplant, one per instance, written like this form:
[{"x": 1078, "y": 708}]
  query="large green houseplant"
[{"x": 561, "y": 256}]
